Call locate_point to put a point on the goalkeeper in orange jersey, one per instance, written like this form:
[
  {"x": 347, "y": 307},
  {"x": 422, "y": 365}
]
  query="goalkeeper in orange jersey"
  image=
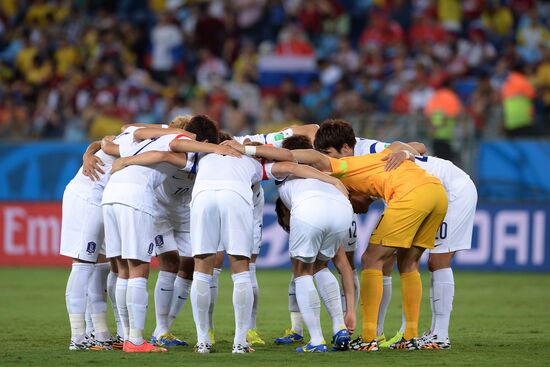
[{"x": 416, "y": 205}]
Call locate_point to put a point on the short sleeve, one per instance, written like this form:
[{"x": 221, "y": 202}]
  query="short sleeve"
[
  {"x": 339, "y": 167},
  {"x": 268, "y": 172},
  {"x": 276, "y": 139}
]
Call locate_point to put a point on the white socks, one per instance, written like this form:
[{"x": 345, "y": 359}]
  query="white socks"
[
  {"x": 384, "y": 304},
  {"x": 296, "y": 319},
  {"x": 243, "y": 298},
  {"x": 137, "y": 299},
  {"x": 328, "y": 288},
  {"x": 443, "y": 294},
  {"x": 200, "y": 301},
  {"x": 111, "y": 292},
  {"x": 164, "y": 291},
  {"x": 432, "y": 326},
  {"x": 75, "y": 298},
  {"x": 180, "y": 296},
  {"x": 97, "y": 300},
  {"x": 213, "y": 295},
  {"x": 88, "y": 315},
  {"x": 310, "y": 307},
  {"x": 122, "y": 308},
  {"x": 256, "y": 295}
]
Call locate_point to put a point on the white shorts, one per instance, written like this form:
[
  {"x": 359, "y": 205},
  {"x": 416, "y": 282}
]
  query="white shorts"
[
  {"x": 81, "y": 228},
  {"x": 169, "y": 238},
  {"x": 455, "y": 233},
  {"x": 350, "y": 242},
  {"x": 313, "y": 234},
  {"x": 129, "y": 232},
  {"x": 221, "y": 217}
]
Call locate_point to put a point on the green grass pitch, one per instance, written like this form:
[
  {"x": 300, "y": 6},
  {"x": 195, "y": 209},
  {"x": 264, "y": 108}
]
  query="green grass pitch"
[{"x": 499, "y": 319}]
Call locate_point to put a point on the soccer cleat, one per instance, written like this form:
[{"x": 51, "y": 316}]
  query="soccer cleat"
[
  {"x": 341, "y": 339},
  {"x": 100, "y": 345},
  {"x": 84, "y": 345},
  {"x": 425, "y": 339},
  {"x": 381, "y": 338},
  {"x": 359, "y": 345},
  {"x": 290, "y": 337},
  {"x": 434, "y": 343},
  {"x": 203, "y": 348},
  {"x": 386, "y": 344},
  {"x": 252, "y": 337},
  {"x": 117, "y": 342},
  {"x": 145, "y": 347},
  {"x": 411, "y": 344},
  {"x": 212, "y": 336},
  {"x": 168, "y": 340},
  {"x": 241, "y": 349},
  {"x": 308, "y": 348}
]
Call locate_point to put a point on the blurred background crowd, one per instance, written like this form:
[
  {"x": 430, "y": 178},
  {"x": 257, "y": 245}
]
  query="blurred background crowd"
[{"x": 77, "y": 70}]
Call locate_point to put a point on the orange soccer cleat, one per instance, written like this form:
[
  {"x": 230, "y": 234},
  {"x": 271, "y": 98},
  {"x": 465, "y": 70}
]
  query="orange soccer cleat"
[{"x": 146, "y": 347}]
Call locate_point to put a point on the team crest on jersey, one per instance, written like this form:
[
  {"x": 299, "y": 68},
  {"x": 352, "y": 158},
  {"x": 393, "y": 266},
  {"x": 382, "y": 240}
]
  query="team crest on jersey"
[
  {"x": 159, "y": 240},
  {"x": 150, "y": 250},
  {"x": 90, "y": 247}
]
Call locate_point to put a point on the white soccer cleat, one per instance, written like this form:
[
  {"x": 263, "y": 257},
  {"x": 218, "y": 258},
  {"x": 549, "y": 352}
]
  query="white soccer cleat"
[{"x": 203, "y": 348}]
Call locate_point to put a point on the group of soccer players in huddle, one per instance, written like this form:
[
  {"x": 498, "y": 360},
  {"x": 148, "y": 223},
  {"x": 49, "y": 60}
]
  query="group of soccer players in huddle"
[{"x": 189, "y": 194}]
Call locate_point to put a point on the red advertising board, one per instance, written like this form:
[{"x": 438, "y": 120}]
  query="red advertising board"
[{"x": 30, "y": 234}]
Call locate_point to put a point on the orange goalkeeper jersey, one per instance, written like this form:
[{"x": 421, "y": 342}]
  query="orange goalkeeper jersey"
[{"x": 365, "y": 175}]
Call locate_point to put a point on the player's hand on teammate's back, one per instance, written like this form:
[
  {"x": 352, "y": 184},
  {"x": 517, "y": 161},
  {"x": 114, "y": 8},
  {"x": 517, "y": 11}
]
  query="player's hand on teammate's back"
[
  {"x": 233, "y": 144},
  {"x": 394, "y": 160},
  {"x": 118, "y": 164},
  {"x": 227, "y": 150},
  {"x": 91, "y": 167}
]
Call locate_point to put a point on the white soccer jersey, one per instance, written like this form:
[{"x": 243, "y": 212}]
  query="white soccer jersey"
[
  {"x": 452, "y": 177},
  {"x": 134, "y": 185},
  {"x": 92, "y": 191},
  {"x": 294, "y": 190},
  {"x": 218, "y": 172},
  {"x": 275, "y": 139},
  {"x": 174, "y": 194}
]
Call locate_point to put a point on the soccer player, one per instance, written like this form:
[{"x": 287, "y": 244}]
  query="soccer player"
[
  {"x": 337, "y": 138},
  {"x": 172, "y": 238},
  {"x": 128, "y": 208},
  {"x": 314, "y": 240},
  {"x": 417, "y": 204},
  {"x": 82, "y": 236}
]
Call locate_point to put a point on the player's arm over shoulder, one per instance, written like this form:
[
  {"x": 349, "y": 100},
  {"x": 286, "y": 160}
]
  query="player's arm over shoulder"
[{"x": 150, "y": 158}]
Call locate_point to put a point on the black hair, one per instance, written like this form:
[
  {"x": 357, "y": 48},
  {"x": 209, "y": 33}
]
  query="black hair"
[
  {"x": 204, "y": 128},
  {"x": 334, "y": 134},
  {"x": 297, "y": 142}
]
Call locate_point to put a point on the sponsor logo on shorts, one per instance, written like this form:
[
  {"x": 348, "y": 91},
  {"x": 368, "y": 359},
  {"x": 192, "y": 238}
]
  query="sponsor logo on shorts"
[
  {"x": 150, "y": 250},
  {"x": 159, "y": 240},
  {"x": 90, "y": 248}
]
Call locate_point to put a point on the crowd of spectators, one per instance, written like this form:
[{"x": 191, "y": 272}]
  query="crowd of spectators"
[{"x": 76, "y": 70}]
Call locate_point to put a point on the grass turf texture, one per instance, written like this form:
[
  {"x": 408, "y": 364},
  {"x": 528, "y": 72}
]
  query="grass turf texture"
[{"x": 499, "y": 319}]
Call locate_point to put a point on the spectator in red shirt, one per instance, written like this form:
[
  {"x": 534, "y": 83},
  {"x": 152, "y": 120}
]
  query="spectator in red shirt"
[{"x": 382, "y": 32}]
